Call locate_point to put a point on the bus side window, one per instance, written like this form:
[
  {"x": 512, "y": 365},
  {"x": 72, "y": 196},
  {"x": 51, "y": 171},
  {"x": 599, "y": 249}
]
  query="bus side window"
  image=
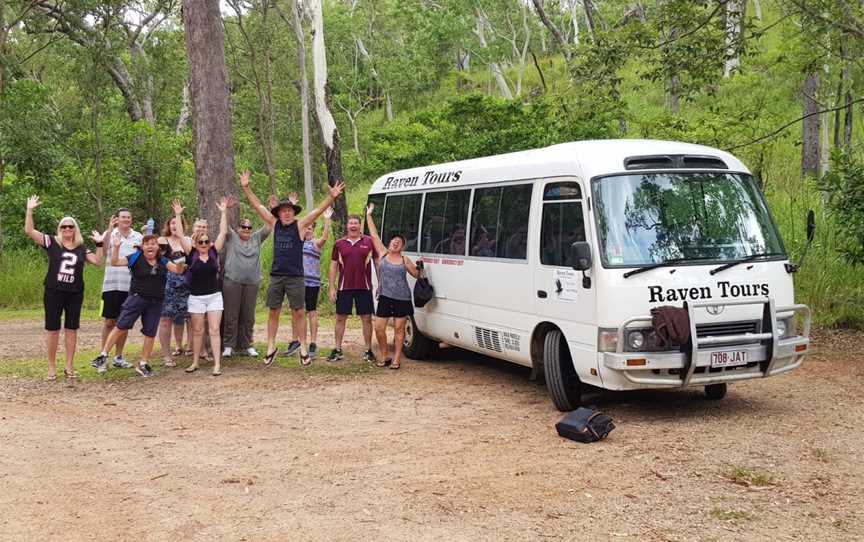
[
  {"x": 401, "y": 216},
  {"x": 444, "y": 218},
  {"x": 499, "y": 223},
  {"x": 562, "y": 226}
]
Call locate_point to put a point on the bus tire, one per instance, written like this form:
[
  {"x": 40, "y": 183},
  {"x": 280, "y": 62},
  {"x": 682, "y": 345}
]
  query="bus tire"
[
  {"x": 416, "y": 345},
  {"x": 715, "y": 392},
  {"x": 561, "y": 378}
]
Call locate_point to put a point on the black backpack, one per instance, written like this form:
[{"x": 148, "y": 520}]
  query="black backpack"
[
  {"x": 585, "y": 425},
  {"x": 423, "y": 291}
]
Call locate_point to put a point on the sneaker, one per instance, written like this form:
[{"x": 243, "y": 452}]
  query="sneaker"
[
  {"x": 100, "y": 362},
  {"x": 227, "y": 352},
  {"x": 121, "y": 363},
  {"x": 369, "y": 357},
  {"x": 335, "y": 355},
  {"x": 251, "y": 352},
  {"x": 293, "y": 347},
  {"x": 144, "y": 369},
  {"x": 313, "y": 350}
]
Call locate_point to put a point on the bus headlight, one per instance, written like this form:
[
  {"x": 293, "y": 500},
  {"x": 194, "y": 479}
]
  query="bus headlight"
[
  {"x": 786, "y": 327},
  {"x": 635, "y": 340}
]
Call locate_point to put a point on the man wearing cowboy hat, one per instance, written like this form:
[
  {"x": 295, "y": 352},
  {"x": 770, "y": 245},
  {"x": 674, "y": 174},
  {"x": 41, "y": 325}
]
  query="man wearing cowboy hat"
[{"x": 286, "y": 274}]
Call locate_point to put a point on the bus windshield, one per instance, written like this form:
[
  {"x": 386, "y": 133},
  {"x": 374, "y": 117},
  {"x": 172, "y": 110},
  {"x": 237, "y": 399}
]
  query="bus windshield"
[{"x": 650, "y": 218}]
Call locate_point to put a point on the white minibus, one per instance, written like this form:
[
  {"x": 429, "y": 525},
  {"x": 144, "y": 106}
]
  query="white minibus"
[{"x": 554, "y": 259}]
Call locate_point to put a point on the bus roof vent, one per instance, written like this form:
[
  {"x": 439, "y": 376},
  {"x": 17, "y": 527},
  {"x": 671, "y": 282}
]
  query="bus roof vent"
[
  {"x": 674, "y": 161},
  {"x": 487, "y": 338},
  {"x": 649, "y": 162}
]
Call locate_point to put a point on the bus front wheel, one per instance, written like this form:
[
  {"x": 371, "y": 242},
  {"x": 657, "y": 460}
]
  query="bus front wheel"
[
  {"x": 416, "y": 345},
  {"x": 561, "y": 378}
]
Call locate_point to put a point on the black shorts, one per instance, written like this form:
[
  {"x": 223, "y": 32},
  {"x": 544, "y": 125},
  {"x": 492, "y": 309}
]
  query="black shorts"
[
  {"x": 312, "y": 298},
  {"x": 112, "y": 304},
  {"x": 361, "y": 300},
  {"x": 57, "y": 303},
  {"x": 397, "y": 308}
]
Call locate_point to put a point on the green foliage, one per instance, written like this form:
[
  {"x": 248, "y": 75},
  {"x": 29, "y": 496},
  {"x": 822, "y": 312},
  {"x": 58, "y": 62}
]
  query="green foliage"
[{"x": 843, "y": 186}]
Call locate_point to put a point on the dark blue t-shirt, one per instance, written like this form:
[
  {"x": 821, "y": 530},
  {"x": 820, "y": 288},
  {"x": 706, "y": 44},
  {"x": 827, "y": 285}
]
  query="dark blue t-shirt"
[{"x": 287, "y": 250}]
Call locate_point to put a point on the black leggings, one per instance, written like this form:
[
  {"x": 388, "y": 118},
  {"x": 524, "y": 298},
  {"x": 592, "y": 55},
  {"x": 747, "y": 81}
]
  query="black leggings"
[{"x": 58, "y": 302}]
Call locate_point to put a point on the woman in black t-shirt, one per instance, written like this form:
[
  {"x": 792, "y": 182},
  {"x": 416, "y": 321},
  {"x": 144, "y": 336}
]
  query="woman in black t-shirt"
[{"x": 64, "y": 282}]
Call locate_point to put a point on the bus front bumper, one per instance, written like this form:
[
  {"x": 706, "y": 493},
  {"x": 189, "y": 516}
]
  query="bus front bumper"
[{"x": 712, "y": 360}]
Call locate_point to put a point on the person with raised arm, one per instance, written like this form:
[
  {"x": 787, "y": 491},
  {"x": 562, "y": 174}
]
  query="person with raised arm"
[
  {"x": 64, "y": 282},
  {"x": 148, "y": 270},
  {"x": 117, "y": 280},
  {"x": 286, "y": 273},
  {"x": 175, "y": 312},
  {"x": 205, "y": 296},
  {"x": 395, "y": 298}
]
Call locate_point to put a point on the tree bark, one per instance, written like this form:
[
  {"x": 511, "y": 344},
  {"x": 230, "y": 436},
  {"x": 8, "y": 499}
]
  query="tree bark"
[
  {"x": 494, "y": 67},
  {"x": 588, "y": 6},
  {"x": 547, "y": 22},
  {"x": 183, "y": 117},
  {"x": 734, "y": 35},
  {"x": 211, "y": 112},
  {"x": 810, "y": 126},
  {"x": 297, "y": 24},
  {"x": 326, "y": 122}
]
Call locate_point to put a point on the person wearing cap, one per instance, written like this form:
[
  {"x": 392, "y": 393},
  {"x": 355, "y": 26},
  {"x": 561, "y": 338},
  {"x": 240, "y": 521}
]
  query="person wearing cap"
[{"x": 287, "y": 277}]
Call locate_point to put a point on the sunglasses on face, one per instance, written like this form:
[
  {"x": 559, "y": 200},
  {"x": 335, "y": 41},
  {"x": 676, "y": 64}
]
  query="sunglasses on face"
[
  {"x": 203, "y": 242},
  {"x": 67, "y": 227},
  {"x": 245, "y": 227}
]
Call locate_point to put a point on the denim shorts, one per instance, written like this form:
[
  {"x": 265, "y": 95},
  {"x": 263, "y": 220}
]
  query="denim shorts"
[{"x": 149, "y": 310}]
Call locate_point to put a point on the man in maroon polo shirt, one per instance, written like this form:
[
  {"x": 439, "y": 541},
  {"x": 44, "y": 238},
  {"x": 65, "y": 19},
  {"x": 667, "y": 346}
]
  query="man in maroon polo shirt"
[{"x": 351, "y": 258}]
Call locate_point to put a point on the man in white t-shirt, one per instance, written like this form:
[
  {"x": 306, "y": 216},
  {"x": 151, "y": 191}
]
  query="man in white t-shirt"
[{"x": 115, "y": 285}]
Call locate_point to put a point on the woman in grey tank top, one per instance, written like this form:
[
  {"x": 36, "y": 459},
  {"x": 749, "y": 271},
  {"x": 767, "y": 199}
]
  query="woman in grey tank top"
[{"x": 394, "y": 300}]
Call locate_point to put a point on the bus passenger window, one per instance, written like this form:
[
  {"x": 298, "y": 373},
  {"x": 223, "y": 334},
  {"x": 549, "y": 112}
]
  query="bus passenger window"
[
  {"x": 401, "y": 216},
  {"x": 444, "y": 218},
  {"x": 499, "y": 223},
  {"x": 562, "y": 226}
]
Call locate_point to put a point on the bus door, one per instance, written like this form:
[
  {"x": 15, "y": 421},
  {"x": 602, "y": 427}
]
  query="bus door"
[{"x": 559, "y": 293}]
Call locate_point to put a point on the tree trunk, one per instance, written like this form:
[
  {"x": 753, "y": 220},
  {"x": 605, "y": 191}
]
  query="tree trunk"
[
  {"x": 211, "y": 111},
  {"x": 810, "y": 126},
  {"x": 846, "y": 83},
  {"x": 574, "y": 18},
  {"x": 588, "y": 6},
  {"x": 326, "y": 122},
  {"x": 825, "y": 134},
  {"x": 183, "y": 118},
  {"x": 300, "y": 35},
  {"x": 547, "y": 22},
  {"x": 494, "y": 67},
  {"x": 734, "y": 35},
  {"x": 757, "y": 10}
]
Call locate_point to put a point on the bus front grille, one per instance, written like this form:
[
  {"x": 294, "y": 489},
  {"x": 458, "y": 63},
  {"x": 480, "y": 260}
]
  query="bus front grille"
[{"x": 728, "y": 328}]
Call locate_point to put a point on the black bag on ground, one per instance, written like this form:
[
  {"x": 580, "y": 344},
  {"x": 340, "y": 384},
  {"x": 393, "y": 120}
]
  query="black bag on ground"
[
  {"x": 584, "y": 425},
  {"x": 423, "y": 291}
]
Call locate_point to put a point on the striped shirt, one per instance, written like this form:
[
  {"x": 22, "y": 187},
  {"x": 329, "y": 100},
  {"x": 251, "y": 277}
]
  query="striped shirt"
[
  {"x": 311, "y": 264},
  {"x": 118, "y": 278}
]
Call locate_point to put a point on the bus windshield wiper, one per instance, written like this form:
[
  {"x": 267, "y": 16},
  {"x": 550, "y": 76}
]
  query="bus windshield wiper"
[
  {"x": 749, "y": 258},
  {"x": 671, "y": 261}
]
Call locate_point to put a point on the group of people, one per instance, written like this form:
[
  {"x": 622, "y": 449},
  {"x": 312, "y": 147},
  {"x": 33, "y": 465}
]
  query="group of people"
[{"x": 170, "y": 282}]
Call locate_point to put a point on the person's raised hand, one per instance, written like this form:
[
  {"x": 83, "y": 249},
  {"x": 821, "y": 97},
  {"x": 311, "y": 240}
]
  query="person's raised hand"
[
  {"x": 337, "y": 189},
  {"x": 231, "y": 201},
  {"x": 118, "y": 238},
  {"x": 244, "y": 178},
  {"x": 222, "y": 205},
  {"x": 33, "y": 202},
  {"x": 328, "y": 213},
  {"x": 294, "y": 198},
  {"x": 273, "y": 201},
  {"x": 96, "y": 236},
  {"x": 369, "y": 209},
  {"x": 177, "y": 207}
]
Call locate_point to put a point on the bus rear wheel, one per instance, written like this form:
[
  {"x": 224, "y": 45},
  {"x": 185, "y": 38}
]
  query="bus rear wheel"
[
  {"x": 561, "y": 378},
  {"x": 416, "y": 345}
]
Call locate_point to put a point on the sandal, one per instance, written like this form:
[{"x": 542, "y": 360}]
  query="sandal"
[
  {"x": 169, "y": 363},
  {"x": 191, "y": 368},
  {"x": 216, "y": 373},
  {"x": 384, "y": 362},
  {"x": 52, "y": 378},
  {"x": 179, "y": 352},
  {"x": 305, "y": 360},
  {"x": 394, "y": 365},
  {"x": 70, "y": 375},
  {"x": 268, "y": 359}
]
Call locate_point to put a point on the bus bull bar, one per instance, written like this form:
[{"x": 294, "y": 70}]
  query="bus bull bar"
[{"x": 773, "y": 354}]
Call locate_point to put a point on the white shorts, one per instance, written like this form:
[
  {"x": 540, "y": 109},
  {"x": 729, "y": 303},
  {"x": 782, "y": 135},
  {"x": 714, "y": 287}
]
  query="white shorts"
[{"x": 201, "y": 304}]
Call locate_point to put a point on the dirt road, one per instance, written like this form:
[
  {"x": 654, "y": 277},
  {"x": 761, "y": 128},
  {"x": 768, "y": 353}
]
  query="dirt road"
[{"x": 463, "y": 448}]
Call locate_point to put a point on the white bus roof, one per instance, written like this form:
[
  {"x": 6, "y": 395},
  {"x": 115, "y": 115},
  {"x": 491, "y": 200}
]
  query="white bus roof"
[{"x": 585, "y": 158}]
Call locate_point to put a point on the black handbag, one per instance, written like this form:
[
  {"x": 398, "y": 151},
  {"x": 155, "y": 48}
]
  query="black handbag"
[
  {"x": 585, "y": 425},
  {"x": 423, "y": 291}
]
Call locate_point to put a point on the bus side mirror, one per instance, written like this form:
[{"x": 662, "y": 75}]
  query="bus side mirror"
[
  {"x": 811, "y": 231},
  {"x": 580, "y": 255}
]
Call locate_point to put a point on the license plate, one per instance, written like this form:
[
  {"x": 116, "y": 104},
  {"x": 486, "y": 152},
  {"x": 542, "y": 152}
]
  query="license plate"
[{"x": 729, "y": 358}]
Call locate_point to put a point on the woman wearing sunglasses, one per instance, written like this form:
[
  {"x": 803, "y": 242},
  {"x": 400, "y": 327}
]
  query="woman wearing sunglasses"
[
  {"x": 205, "y": 295},
  {"x": 64, "y": 282}
]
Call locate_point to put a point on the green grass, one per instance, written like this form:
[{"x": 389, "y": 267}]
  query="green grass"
[
  {"x": 733, "y": 516},
  {"x": 749, "y": 477}
]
